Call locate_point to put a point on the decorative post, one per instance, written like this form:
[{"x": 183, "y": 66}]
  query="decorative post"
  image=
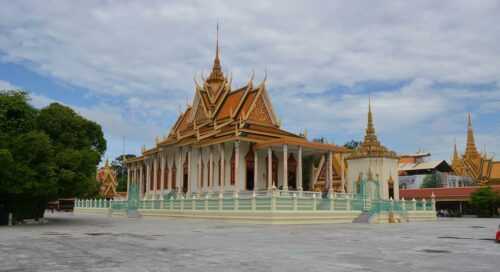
[
  {"x": 414, "y": 204},
  {"x": 348, "y": 203},
  {"x": 206, "y": 202},
  {"x": 273, "y": 201},
  {"x": 285, "y": 167},
  {"x": 171, "y": 200},
  {"x": 295, "y": 202},
  {"x": 332, "y": 201},
  {"x": 314, "y": 202},
  {"x": 403, "y": 204},
  {"x": 162, "y": 204},
  {"x": 182, "y": 203},
  {"x": 193, "y": 202},
  {"x": 254, "y": 201},
  {"x": 424, "y": 204},
  {"x": 236, "y": 201},
  {"x": 221, "y": 201},
  {"x": 392, "y": 204}
]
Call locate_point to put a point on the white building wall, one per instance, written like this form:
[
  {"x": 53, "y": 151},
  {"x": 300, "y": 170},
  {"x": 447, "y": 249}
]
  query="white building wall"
[{"x": 381, "y": 167}]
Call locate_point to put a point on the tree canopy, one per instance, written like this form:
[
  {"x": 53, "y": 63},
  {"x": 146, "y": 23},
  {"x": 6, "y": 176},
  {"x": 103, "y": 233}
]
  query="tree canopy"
[
  {"x": 48, "y": 153},
  {"x": 485, "y": 201}
]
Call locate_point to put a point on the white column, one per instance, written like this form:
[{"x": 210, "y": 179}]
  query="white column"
[
  {"x": 211, "y": 170},
  {"x": 269, "y": 169},
  {"x": 169, "y": 177},
  {"x": 162, "y": 179},
  {"x": 148, "y": 176},
  {"x": 179, "y": 171},
  {"x": 222, "y": 168},
  {"x": 329, "y": 172},
  {"x": 342, "y": 173},
  {"x": 141, "y": 179},
  {"x": 201, "y": 178},
  {"x": 237, "y": 166},
  {"x": 255, "y": 169},
  {"x": 285, "y": 167},
  {"x": 155, "y": 175},
  {"x": 299, "y": 170},
  {"x": 190, "y": 183}
]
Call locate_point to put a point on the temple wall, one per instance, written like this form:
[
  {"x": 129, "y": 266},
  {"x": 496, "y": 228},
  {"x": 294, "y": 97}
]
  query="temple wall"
[{"x": 383, "y": 167}]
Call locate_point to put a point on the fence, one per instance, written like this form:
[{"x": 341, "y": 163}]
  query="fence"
[{"x": 266, "y": 201}]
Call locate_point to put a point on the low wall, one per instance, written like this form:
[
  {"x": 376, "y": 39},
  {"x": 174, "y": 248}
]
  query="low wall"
[
  {"x": 416, "y": 216},
  {"x": 254, "y": 217}
]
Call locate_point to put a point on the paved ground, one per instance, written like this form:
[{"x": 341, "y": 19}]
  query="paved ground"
[{"x": 95, "y": 243}]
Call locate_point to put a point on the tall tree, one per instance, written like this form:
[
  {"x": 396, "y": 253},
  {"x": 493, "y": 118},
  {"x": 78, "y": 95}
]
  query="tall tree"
[
  {"x": 44, "y": 155},
  {"x": 78, "y": 146}
]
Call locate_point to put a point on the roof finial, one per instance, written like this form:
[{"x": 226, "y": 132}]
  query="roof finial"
[
  {"x": 217, "y": 43},
  {"x": 216, "y": 74},
  {"x": 370, "y": 129}
]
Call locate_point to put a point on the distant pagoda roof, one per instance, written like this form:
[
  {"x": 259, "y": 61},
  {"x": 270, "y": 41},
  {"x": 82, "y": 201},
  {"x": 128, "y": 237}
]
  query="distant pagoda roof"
[{"x": 371, "y": 147}]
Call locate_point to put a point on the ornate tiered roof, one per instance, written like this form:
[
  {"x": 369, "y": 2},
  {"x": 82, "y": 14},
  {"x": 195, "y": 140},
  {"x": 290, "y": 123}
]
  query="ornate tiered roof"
[
  {"x": 371, "y": 147},
  {"x": 220, "y": 114},
  {"x": 479, "y": 167}
]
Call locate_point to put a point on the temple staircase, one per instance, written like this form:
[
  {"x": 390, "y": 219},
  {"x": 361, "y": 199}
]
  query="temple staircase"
[{"x": 364, "y": 217}]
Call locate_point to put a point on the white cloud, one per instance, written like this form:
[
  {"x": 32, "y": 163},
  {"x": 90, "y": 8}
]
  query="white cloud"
[
  {"x": 5, "y": 85},
  {"x": 146, "y": 53}
]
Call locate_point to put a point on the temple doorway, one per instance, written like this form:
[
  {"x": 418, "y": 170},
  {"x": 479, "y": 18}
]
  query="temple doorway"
[
  {"x": 249, "y": 158},
  {"x": 274, "y": 168},
  {"x": 391, "y": 190},
  {"x": 292, "y": 172},
  {"x": 185, "y": 176}
]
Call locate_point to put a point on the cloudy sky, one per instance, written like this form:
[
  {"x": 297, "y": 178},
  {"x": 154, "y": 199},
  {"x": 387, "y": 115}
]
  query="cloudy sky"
[{"x": 129, "y": 65}]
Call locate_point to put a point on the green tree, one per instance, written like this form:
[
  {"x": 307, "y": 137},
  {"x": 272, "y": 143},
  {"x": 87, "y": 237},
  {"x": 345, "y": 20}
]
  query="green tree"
[
  {"x": 431, "y": 181},
  {"x": 46, "y": 154},
  {"x": 352, "y": 144},
  {"x": 27, "y": 176},
  {"x": 485, "y": 201},
  {"x": 78, "y": 145}
]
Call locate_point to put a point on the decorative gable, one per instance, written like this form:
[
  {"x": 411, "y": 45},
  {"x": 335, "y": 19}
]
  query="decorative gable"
[{"x": 260, "y": 112}]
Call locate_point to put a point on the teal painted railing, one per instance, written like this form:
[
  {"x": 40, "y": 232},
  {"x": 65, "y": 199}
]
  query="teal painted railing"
[{"x": 277, "y": 201}]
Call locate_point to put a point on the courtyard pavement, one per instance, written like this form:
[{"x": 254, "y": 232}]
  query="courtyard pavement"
[{"x": 97, "y": 243}]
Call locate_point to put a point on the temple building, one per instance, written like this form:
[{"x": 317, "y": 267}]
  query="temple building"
[
  {"x": 230, "y": 140},
  {"x": 374, "y": 162},
  {"x": 483, "y": 170}
]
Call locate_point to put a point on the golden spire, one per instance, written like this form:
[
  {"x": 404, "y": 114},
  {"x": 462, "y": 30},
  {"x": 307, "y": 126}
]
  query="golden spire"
[
  {"x": 470, "y": 148},
  {"x": 216, "y": 74},
  {"x": 371, "y": 147},
  {"x": 455, "y": 152}
]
